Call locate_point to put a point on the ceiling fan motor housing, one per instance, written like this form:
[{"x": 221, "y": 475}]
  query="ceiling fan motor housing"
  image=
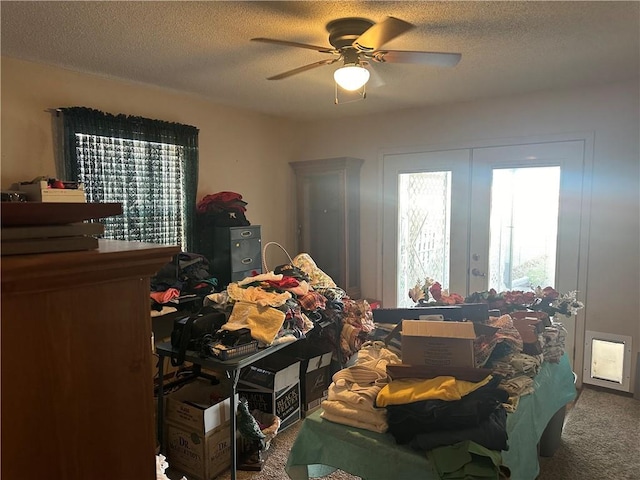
[{"x": 344, "y": 31}]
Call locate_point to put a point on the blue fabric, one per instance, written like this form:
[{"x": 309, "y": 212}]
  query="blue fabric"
[
  {"x": 321, "y": 446},
  {"x": 555, "y": 387}
]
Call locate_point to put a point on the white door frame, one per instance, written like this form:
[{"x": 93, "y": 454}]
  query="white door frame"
[
  {"x": 386, "y": 267},
  {"x": 456, "y": 160}
]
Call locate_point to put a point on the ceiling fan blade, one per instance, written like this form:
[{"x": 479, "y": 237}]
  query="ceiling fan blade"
[
  {"x": 286, "y": 43},
  {"x": 439, "y": 59},
  {"x": 375, "y": 79},
  {"x": 295, "y": 71},
  {"x": 380, "y": 33}
]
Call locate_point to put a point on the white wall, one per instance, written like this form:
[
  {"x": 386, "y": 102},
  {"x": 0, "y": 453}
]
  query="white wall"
[
  {"x": 610, "y": 113},
  {"x": 249, "y": 153},
  {"x": 240, "y": 151}
]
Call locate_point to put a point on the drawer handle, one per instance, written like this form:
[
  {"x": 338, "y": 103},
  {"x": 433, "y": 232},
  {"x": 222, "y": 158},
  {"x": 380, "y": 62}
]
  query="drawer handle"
[
  {"x": 246, "y": 233},
  {"x": 246, "y": 261}
]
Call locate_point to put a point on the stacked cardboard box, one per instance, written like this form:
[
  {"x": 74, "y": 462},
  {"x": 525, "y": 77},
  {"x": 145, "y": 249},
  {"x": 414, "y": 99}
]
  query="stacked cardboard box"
[
  {"x": 272, "y": 385},
  {"x": 197, "y": 429},
  {"x": 315, "y": 372}
]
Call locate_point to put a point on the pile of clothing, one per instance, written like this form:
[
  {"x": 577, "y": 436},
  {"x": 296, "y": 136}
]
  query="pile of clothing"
[
  {"x": 504, "y": 355},
  {"x": 293, "y": 301},
  {"x": 354, "y": 389},
  {"x": 187, "y": 275},
  {"x": 460, "y": 424},
  {"x": 222, "y": 209},
  {"x": 458, "y": 420},
  {"x": 446, "y": 411},
  {"x": 554, "y": 342}
]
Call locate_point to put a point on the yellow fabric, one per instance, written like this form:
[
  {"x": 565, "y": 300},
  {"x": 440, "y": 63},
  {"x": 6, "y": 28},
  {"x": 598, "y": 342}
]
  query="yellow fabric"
[
  {"x": 409, "y": 390},
  {"x": 257, "y": 295},
  {"x": 264, "y": 322}
]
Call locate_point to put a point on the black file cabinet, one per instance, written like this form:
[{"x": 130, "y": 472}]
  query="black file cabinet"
[{"x": 233, "y": 252}]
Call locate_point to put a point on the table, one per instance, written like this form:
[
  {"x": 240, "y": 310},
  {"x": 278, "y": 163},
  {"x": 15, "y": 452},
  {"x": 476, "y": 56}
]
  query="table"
[
  {"x": 230, "y": 367},
  {"x": 322, "y": 446}
]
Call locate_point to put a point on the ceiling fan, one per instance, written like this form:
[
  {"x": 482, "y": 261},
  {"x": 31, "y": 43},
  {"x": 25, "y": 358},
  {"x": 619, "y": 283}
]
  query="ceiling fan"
[{"x": 356, "y": 42}]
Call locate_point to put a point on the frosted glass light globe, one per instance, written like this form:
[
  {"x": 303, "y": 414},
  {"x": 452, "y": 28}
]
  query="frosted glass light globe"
[{"x": 351, "y": 77}]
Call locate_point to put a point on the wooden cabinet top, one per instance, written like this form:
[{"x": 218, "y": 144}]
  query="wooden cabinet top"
[{"x": 113, "y": 259}]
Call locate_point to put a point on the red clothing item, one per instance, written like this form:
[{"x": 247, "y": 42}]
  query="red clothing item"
[
  {"x": 286, "y": 282},
  {"x": 224, "y": 200},
  {"x": 166, "y": 296}
]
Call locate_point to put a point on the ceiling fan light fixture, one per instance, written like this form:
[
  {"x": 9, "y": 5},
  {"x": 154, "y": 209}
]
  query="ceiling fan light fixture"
[{"x": 351, "y": 77}]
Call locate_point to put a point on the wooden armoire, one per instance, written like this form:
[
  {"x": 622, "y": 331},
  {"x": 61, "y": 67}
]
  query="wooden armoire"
[{"x": 328, "y": 217}]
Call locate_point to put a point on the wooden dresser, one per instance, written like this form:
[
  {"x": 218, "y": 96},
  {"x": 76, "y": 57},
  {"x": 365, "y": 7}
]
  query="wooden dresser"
[{"x": 77, "y": 394}]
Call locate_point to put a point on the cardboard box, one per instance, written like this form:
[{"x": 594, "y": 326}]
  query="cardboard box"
[
  {"x": 196, "y": 454},
  {"x": 191, "y": 406},
  {"x": 438, "y": 344},
  {"x": 272, "y": 385},
  {"x": 315, "y": 372},
  {"x": 530, "y": 329}
]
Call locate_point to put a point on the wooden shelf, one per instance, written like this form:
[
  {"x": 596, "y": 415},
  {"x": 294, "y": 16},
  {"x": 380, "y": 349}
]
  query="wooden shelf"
[{"x": 38, "y": 213}]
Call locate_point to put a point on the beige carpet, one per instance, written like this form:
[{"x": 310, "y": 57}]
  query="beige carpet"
[
  {"x": 273, "y": 468},
  {"x": 600, "y": 441}
]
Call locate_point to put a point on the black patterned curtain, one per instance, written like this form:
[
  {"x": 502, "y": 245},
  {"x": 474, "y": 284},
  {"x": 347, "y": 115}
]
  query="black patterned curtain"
[{"x": 150, "y": 166}]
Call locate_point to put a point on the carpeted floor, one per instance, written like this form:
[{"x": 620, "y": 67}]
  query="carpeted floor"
[
  {"x": 600, "y": 441},
  {"x": 273, "y": 468}
]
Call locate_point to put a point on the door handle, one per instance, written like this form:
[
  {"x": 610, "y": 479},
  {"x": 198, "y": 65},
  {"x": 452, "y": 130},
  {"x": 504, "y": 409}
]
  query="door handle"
[{"x": 477, "y": 273}]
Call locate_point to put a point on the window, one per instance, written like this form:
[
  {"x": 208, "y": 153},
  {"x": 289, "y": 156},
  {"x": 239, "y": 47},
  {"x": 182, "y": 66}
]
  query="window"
[
  {"x": 149, "y": 166},
  {"x": 523, "y": 227},
  {"x": 424, "y": 225}
]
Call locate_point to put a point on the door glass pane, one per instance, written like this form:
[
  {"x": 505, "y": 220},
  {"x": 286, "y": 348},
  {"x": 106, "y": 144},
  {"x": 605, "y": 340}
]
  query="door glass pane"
[
  {"x": 424, "y": 224},
  {"x": 524, "y": 227}
]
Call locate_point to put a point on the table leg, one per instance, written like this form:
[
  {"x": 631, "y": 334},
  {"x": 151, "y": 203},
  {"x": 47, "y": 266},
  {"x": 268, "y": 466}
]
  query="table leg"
[
  {"x": 160, "y": 426},
  {"x": 234, "y": 376}
]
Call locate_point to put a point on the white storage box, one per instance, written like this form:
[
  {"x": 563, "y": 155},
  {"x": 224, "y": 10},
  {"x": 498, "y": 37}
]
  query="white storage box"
[
  {"x": 191, "y": 406},
  {"x": 40, "y": 192}
]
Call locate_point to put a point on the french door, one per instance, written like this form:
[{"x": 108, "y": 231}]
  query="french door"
[{"x": 503, "y": 217}]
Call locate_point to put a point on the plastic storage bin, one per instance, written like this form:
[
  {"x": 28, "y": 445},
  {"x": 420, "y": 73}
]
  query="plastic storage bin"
[{"x": 550, "y": 439}]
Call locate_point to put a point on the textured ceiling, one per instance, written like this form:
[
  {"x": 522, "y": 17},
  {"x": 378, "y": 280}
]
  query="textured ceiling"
[{"x": 203, "y": 48}]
